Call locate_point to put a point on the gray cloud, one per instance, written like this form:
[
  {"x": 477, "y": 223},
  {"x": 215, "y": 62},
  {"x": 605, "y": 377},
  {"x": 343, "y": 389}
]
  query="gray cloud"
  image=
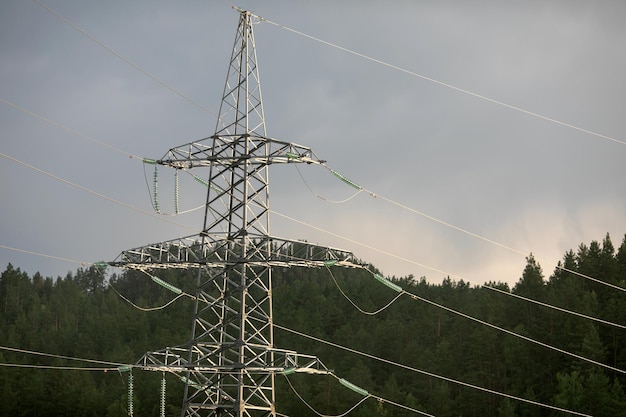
[{"x": 525, "y": 182}]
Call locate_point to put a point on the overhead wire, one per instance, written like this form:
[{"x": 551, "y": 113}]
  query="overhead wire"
[
  {"x": 509, "y": 332},
  {"x": 122, "y": 151},
  {"x": 310, "y": 407},
  {"x": 56, "y": 368},
  {"x": 429, "y": 374},
  {"x": 43, "y": 255},
  {"x": 124, "y": 59},
  {"x": 332, "y": 171},
  {"x": 369, "y": 313},
  {"x": 85, "y": 189},
  {"x": 319, "y": 229},
  {"x": 337, "y": 174},
  {"x": 316, "y": 228},
  {"x": 366, "y": 395},
  {"x": 444, "y": 84},
  {"x": 465, "y": 231},
  {"x": 65, "y": 357}
]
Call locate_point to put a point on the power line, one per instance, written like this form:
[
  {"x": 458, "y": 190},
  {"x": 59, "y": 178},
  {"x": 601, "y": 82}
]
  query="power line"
[
  {"x": 80, "y": 187},
  {"x": 56, "y": 356},
  {"x": 430, "y": 374},
  {"x": 337, "y": 174},
  {"x": 60, "y": 126},
  {"x": 444, "y": 84},
  {"x": 305, "y": 224},
  {"x": 44, "y": 255},
  {"x": 462, "y": 230},
  {"x": 127, "y": 61},
  {"x": 416, "y": 297},
  {"x": 56, "y": 368}
]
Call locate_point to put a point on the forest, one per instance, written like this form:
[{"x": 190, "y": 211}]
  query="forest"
[{"x": 448, "y": 337}]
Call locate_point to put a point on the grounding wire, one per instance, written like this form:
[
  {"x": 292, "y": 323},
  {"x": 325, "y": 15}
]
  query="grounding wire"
[
  {"x": 127, "y": 61},
  {"x": 429, "y": 374},
  {"x": 447, "y": 85}
]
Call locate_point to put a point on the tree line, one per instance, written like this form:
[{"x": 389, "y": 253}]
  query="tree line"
[{"x": 83, "y": 315}]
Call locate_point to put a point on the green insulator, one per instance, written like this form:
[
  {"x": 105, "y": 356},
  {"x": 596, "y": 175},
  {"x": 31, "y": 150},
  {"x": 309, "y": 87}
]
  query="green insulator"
[
  {"x": 124, "y": 368},
  {"x": 189, "y": 382},
  {"x": 353, "y": 387},
  {"x": 149, "y": 161},
  {"x": 216, "y": 188},
  {"x": 292, "y": 155},
  {"x": 176, "y": 191},
  {"x": 163, "y": 396},
  {"x": 330, "y": 262},
  {"x": 388, "y": 283},
  {"x": 200, "y": 180},
  {"x": 289, "y": 371},
  {"x": 130, "y": 395},
  {"x": 101, "y": 265},
  {"x": 347, "y": 181},
  {"x": 156, "y": 189},
  {"x": 166, "y": 285}
]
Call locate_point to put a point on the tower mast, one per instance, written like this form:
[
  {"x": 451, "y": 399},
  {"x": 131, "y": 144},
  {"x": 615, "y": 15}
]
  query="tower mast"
[{"x": 229, "y": 363}]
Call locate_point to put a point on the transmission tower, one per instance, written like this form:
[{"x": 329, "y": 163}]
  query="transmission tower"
[{"x": 229, "y": 364}]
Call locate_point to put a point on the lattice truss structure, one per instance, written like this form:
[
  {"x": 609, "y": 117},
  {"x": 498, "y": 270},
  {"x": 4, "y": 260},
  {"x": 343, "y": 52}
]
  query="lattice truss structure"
[{"x": 230, "y": 362}]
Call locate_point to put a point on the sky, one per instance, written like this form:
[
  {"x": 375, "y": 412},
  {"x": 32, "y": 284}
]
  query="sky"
[{"x": 481, "y": 131}]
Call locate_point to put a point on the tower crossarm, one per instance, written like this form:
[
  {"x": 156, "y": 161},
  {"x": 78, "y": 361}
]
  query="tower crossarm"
[
  {"x": 220, "y": 150},
  {"x": 273, "y": 360},
  {"x": 218, "y": 251}
]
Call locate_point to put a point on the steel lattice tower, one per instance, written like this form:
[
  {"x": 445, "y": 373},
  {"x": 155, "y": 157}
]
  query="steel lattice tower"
[{"x": 229, "y": 363}]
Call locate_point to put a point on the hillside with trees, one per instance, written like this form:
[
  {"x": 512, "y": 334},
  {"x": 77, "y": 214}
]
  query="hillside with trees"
[{"x": 489, "y": 336}]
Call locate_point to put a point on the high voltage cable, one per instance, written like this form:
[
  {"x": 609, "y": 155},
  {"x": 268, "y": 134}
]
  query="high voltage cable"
[
  {"x": 55, "y": 356},
  {"x": 462, "y": 230},
  {"x": 80, "y": 187},
  {"x": 336, "y": 174},
  {"x": 430, "y": 374},
  {"x": 313, "y": 227},
  {"x": 416, "y": 297},
  {"x": 44, "y": 255},
  {"x": 387, "y": 253},
  {"x": 366, "y": 396},
  {"x": 444, "y": 84},
  {"x": 56, "y": 368},
  {"x": 391, "y": 201},
  {"x": 509, "y": 332},
  {"x": 137, "y": 67},
  {"x": 60, "y": 126}
]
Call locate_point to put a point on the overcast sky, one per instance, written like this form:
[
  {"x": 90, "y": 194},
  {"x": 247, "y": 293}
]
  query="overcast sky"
[{"x": 527, "y": 183}]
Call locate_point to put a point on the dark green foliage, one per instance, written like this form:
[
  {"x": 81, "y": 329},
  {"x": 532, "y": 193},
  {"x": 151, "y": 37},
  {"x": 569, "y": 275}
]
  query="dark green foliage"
[{"x": 81, "y": 315}]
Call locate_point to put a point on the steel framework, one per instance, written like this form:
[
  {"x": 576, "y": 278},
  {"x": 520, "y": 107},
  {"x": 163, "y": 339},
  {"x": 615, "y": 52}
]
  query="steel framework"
[{"x": 228, "y": 365}]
